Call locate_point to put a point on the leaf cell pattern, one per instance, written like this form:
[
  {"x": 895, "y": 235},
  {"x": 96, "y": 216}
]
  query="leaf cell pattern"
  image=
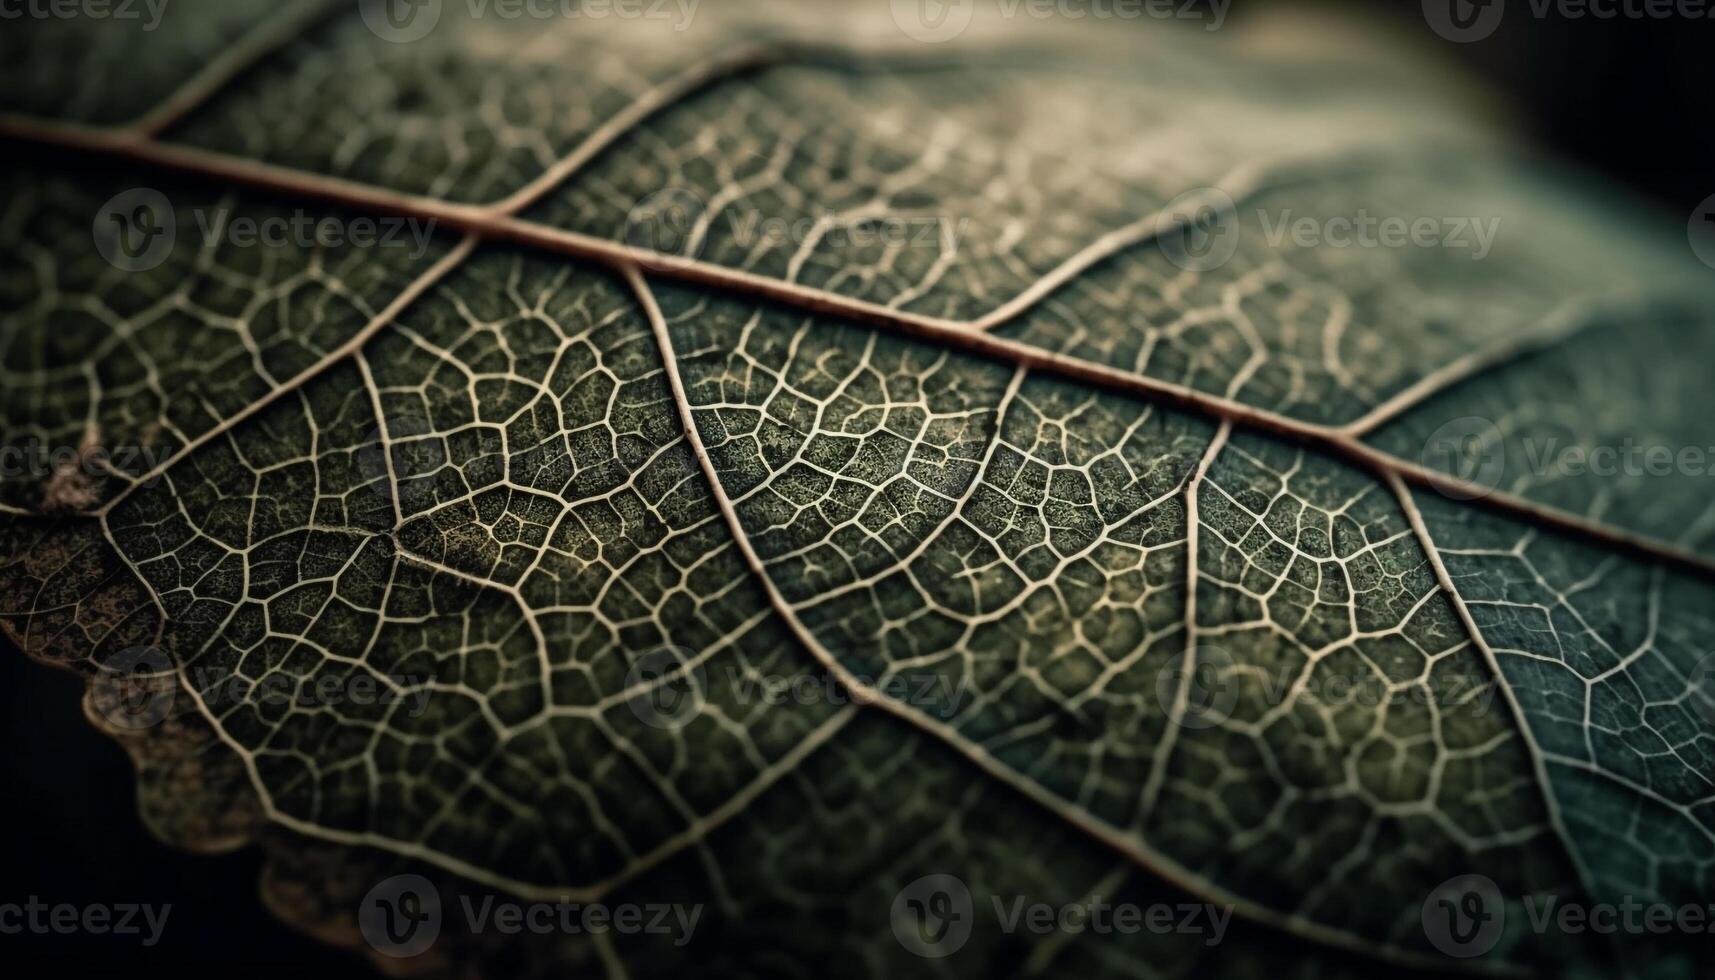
[{"x": 492, "y": 481}]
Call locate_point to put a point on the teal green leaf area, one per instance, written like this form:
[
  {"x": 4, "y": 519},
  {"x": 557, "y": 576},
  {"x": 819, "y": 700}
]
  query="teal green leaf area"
[{"x": 845, "y": 492}]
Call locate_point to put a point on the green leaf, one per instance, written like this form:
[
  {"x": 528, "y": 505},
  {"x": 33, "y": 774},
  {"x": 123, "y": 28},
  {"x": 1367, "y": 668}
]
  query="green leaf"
[{"x": 773, "y": 464}]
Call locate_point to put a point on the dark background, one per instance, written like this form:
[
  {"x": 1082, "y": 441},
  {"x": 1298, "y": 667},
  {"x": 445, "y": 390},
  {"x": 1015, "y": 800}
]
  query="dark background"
[
  {"x": 1627, "y": 99},
  {"x": 1630, "y": 99}
]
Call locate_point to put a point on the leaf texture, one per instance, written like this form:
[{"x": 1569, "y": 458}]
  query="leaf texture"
[{"x": 995, "y": 495}]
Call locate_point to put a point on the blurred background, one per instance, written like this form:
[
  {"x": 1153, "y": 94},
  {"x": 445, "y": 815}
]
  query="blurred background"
[
  {"x": 1626, "y": 98},
  {"x": 1631, "y": 98}
]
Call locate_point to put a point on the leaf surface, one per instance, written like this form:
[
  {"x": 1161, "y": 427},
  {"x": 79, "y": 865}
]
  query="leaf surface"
[{"x": 1005, "y": 500}]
